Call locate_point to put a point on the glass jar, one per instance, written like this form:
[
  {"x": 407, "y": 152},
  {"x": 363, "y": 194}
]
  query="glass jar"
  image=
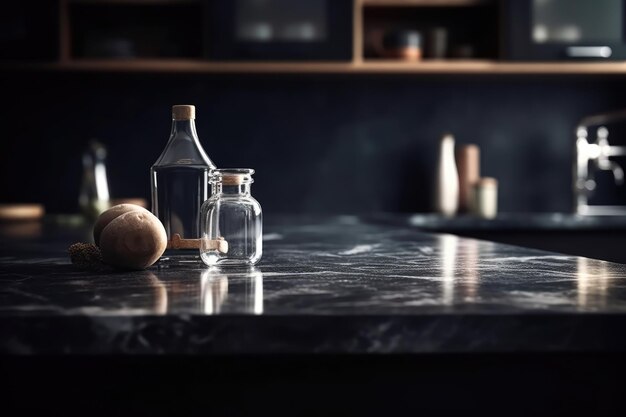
[{"x": 231, "y": 220}]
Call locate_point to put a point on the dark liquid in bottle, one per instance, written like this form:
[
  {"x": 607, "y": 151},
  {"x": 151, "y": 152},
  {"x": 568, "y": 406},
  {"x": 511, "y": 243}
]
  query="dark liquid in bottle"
[{"x": 178, "y": 194}]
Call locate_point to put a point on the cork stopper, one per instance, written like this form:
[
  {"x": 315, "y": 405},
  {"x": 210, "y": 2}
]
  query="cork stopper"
[
  {"x": 183, "y": 112},
  {"x": 232, "y": 176},
  {"x": 232, "y": 179}
]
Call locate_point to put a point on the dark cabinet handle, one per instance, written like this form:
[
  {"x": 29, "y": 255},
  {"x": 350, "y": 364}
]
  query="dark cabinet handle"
[{"x": 589, "y": 51}]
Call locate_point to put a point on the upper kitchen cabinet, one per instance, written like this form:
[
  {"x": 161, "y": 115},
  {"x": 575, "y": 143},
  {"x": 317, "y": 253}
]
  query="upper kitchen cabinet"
[
  {"x": 131, "y": 29},
  {"x": 580, "y": 30},
  {"x": 441, "y": 30},
  {"x": 317, "y": 36},
  {"x": 29, "y": 31},
  {"x": 285, "y": 30}
]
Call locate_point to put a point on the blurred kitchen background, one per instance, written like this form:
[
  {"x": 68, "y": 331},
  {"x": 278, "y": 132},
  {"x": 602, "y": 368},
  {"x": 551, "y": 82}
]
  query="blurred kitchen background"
[{"x": 339, "y": 105}]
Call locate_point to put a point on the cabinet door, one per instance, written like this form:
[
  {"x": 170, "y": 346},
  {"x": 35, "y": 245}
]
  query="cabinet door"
[
  {"x": 280, "y": 30},
  {"x": 29, "y": 30},
  {"x": 564, "y": 29}
]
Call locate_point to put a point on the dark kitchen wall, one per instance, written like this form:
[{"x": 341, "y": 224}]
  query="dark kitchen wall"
[{"x": 330, "y": 143}]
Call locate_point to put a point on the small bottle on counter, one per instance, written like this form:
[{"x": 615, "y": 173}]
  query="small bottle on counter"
[
  {"x": 447, "y": 185},
  {"x": 180, "y": 179},
  {"x": 231, "y": 221},
  {"x": 485, "y": 198},
  {"x": 468, "y": 165}
]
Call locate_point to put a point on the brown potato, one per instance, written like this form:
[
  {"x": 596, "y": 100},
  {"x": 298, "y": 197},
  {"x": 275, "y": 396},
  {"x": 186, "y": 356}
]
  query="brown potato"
[
  {"x": 111, "y": 214},
  {"x": 134, "y": 240}
]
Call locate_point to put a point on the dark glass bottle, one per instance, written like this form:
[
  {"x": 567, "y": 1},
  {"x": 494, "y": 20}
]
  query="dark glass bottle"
[{"x": 180, "y": 179}]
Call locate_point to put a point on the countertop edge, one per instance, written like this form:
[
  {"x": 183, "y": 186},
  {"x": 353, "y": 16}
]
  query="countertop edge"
[{"x": 306, "y": 334}]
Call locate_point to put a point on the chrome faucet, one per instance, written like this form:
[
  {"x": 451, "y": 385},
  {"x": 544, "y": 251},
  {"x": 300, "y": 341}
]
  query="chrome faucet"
[{"x": 596, "y": 155}]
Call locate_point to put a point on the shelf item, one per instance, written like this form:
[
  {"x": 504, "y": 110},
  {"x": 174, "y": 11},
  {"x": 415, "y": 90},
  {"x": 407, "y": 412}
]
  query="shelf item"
[
  {"x": 436, "y": 43},
  {"x": 402, "y": 44}
]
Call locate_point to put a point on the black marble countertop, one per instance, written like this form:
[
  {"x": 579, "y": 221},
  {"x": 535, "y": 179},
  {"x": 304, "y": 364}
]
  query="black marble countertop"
[
  {"x": 332, "y": 285},
  {"x": 505, "y": 222}
]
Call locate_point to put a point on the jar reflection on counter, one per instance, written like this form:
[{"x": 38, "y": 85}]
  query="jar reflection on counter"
[{"x": 231, "y": 220}]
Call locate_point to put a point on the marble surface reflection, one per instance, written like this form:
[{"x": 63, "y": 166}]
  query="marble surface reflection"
[
  {"x": 504, "y": 221},
  {"x": 246, "y": 287},
  {"x": 324, "y": 285}
]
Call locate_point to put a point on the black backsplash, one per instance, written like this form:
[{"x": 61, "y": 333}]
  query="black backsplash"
[{"x": 330, "y": 143}]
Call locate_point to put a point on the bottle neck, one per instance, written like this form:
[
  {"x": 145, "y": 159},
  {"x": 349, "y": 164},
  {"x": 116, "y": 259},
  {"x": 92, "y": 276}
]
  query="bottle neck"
[
  {"x": 184, "y": 129},
  {"x": 447, "y": 144},
  {"x": 233, "y": 190}
]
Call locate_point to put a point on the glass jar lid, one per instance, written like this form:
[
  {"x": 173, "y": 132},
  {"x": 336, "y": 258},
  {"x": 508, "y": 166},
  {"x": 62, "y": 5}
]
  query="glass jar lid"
[{"x": 231, "y": 176}]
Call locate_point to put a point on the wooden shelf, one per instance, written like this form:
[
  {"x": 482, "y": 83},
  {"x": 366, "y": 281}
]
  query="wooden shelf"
[
  {"x": 367, "y": 67},
  {"x": 493, "y": 67}
]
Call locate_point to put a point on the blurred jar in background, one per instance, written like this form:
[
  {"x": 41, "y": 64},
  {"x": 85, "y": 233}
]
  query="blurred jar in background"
[{"x": 485, "y": 198}]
